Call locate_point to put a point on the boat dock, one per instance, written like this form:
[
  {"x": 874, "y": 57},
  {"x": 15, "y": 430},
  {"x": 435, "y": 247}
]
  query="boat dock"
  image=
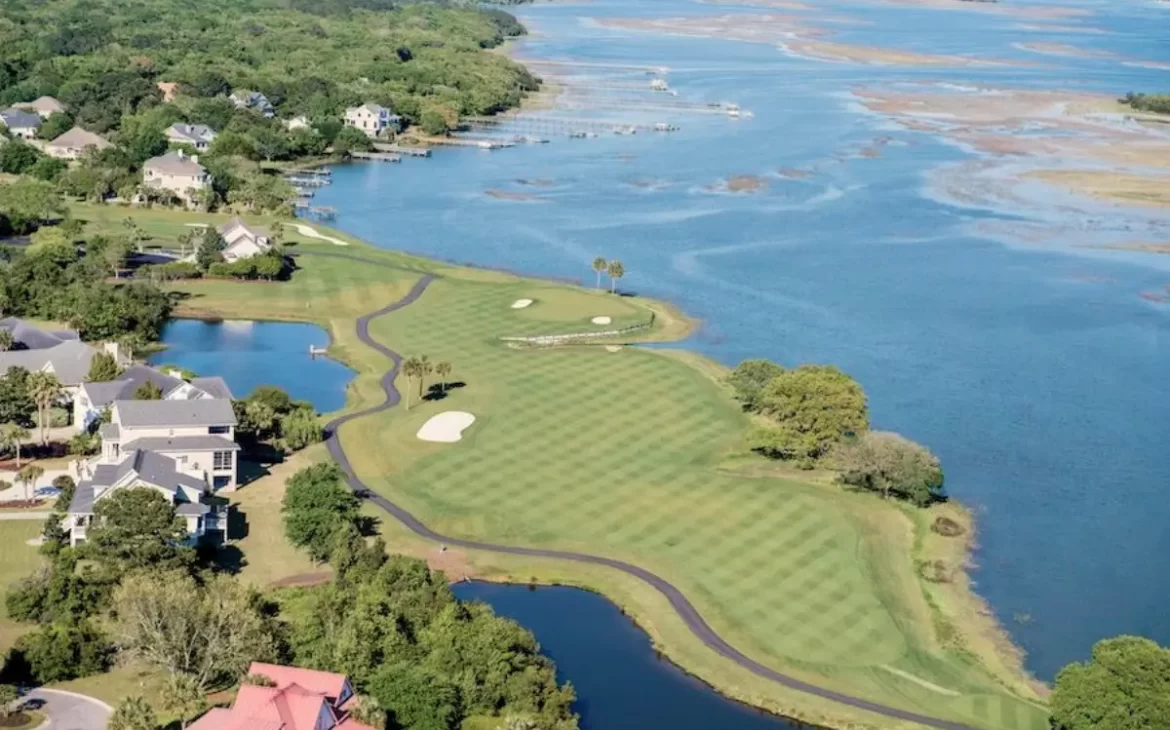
[
  {"x": 404, "y": 151},
  {"x": 376, "y": 156}
]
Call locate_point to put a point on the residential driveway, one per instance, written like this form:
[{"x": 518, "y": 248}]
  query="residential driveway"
[{"x": 70, "y": 711}]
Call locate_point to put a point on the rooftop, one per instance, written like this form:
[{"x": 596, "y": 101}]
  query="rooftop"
[
  {"x": 31, "y": 337},
  {"x": 177, "y": 413},
  {"x": 209, "y": 442},
  {"x": 69, "y": 360},
  {"x": 78, "y": 138},
  {"x": 137, "y": 466},
  {"x": 19, "y": 119},
  {"x": 175, "y": 163}
]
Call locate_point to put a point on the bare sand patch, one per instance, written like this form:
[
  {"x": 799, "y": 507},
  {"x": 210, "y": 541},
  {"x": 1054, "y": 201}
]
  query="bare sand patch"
[
  {"x": 602, "y": 319},
  {"x": 1115, "y": 186},
  {"x": 752, "y": 28},
  {"x": 508, "y": 195},
  {"x": 875, "y": 56},
  {"x": 995, "y": 8},
  {"x": 777, "y": 4},
  {"x": 521, "y": 304},
  {"x": 613, "y": 348},
  {"x": 745, "y": 183},
  {"x": 446, "y": 427}
]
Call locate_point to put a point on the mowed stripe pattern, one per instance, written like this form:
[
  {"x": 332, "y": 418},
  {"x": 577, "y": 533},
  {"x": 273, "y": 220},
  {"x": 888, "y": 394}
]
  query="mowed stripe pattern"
[{"x": 586, "y": 448}]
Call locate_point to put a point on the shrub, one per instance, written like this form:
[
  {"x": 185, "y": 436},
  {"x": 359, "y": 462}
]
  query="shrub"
[
  {"x": 935, "y": 571},
  {"x": 887, "y": 463},
  {"x": 59, "y": 417},
  {"x": 947, "y": 527},
  {"x": 808, "y": 409},
  {"x": 65, "y": 650}
]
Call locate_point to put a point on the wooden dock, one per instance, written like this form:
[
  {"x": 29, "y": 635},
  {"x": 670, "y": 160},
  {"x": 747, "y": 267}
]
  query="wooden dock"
[
  {"x": 404, "y": 151},
  {"x": 376, "y": 156}
]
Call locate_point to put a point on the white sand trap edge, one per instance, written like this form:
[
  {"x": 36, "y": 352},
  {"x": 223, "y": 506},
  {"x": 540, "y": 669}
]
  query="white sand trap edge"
[
  {"x": 521, "y": 303},
  {"x": 446, "y": 427},
  {"x": 311, "y": 233},
  {"x": 601, "y": 320}
]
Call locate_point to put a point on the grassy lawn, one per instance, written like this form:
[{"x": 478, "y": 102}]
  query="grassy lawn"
[
  {"x": 635, "y": 454},
  {"x": 17, "y": 560}
]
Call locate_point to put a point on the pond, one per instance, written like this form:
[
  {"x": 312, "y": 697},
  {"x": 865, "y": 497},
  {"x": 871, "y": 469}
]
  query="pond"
[
  {"x": 621, "y": 683},
  {"x": 246, "y": 354}
]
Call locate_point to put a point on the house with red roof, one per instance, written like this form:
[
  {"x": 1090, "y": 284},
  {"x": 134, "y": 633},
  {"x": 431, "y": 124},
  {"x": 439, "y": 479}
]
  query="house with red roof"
[{"x": 300, "y": 699}]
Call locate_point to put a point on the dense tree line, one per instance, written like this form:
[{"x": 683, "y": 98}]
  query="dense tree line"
[
  {"x": 1156, "y": 103},
  {"x": 396, "y": 629},
  {"x": 817, "y": 415},
  {"x": 1124, "y": 686}
]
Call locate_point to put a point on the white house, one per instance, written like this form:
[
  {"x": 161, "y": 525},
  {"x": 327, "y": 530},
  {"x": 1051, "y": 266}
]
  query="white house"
[
  {"x": 75, "y": 143},
  {"x": 254, "y": 101},
  {"x": 20, "y": 123},
  {"x": 373, "y": 119},
  {"x": 199, "y": 136},
  {"x": 182, "y": 486},
  {"x": 177, "y": 173},
  {"x": 243, "y": 241},
  {"x": 199, "y": 434},
  {"x": 44, "y": 107},
  {"x": 92, "y": 398}
]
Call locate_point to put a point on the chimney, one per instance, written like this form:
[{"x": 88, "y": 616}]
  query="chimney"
[
  {"x": 195, "y": 159},
  {"x": 113, "y": 349},
  {"x": 182, "y": 155},
  {"x": 178, "y": 375}
]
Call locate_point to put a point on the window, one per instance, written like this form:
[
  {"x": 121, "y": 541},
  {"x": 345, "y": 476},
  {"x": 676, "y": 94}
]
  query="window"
[
  {"x": 219, "y": 429},
  {"x": 222, "y": 460},
  {"x": 220, "y": 482}
]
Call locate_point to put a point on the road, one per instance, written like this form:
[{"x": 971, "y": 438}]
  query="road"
[
  {"x": 689, "y": 614},
  {"x": 70, "y": 711}
]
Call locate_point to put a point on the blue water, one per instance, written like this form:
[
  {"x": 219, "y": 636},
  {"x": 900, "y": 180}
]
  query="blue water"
[
  {"x": 619, "y": 679},
  {"x": 1035, "y": 371},
  {"x": 247, "y": 354}
]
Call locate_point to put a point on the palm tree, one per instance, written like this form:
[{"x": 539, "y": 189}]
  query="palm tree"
[
  {"x": 615, "y": 271},
  {"x": 411, "y": 368},
  {"x": 600, "y": 265},
  {"x": 183, "y": 697},
  {"x": 368, "y": 711},
  {"x": 6, "y": 341},
  {"x": 443, "y": 369},
  {"x": 13, "y": 434},
  {"x": 426, "y": 367},
  {"x": 45, "y": 389},
  {"x": 27, "y": 477},
  {"x": 133, "y": 713}
]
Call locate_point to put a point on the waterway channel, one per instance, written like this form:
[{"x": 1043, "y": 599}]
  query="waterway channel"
[{"x": 1033, "y": 369}]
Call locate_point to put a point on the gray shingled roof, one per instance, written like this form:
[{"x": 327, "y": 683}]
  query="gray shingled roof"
[
  {"x": 145, "y": 466},
  {"x": 192, "y": 132},
  {"x": 175, "y": 163},
  {"x": 70, "y": 360},
  {"x": 82, "y": 503},
  {"x": 210, "y": 442},
  {"x": 32, "y": 337},
  {"x": 19, "y": 119},
  {"x": 186, "y": 509},
  {"x": 158, "y": 413},
  {"x": 214, "y": 386},
  {"x": 131, "y": 379},
  {"x": 109, "y": 431}
]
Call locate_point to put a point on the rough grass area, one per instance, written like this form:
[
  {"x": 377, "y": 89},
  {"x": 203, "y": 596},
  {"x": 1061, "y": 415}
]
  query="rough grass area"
[
  {"x": 17, "y": 559},
  {"x": 614, "y": 453}
]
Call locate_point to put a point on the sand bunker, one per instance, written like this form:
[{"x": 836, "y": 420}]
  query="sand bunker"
[
  {"x": 521, "y": 304},
  {"x": 601, "y": 320},
  {"x": 446, "y": 427},
  {"x": 308, "y": 232}
]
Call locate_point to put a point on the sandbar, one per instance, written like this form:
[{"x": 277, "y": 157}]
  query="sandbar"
[
  {"x": 1063, "y": 49},
  {"x": 506, "y": 195},
  {"x": 876, "y": 56}
]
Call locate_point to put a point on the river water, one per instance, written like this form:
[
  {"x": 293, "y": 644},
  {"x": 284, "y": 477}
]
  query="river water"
[{"x": 1034, "y": 370}]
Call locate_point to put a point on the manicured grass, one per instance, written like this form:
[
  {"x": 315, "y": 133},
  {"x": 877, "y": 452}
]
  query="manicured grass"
[
  {"x": 17, "y": 560},
  {"x": 614, "y": 452}
]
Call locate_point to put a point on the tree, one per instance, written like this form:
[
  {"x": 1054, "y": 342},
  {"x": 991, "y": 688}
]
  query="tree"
[
  {"x": 133, "y": 713},
  {"x": 8, "y": 698},
  {"x": 67, "y": 488},
  {"x": 208, "y": 633},
  {"x": 45, "y": 390},
  {"x": 600, "y": 266},
  {"x": 17, "y": 157},
  {"x": 443, "y": 369},
  {"x": 148, "y": 391},
  {"x": 6, "y": 341},
  {"x": 316, "y": 504},
  {"x": 807, "y": 410},
  {"x": 65, "y": 650},
  {"x": 29, "y": 202},
  {"x": 13, "y": 435},
  {"x": 425, "y": 368},
  {"x": 209, "y": 249},
  {"x": 615, "y": 271},
  {"x": 183, "y": 697},
  {"x": 28, "y": 476},
  {"x": 412, "y": 368},
  {"x": 300, "y": 429},
  {"x": 137, "y": 528},
  {"x": 368, "y": 711},
  {"x": 749, "y": 378},
  {"x": 1124, "y": 686},
  {"x": 884, "y": 462},
  {"x": 103, "y": 368},
  {"x": 57, "y": 124}
]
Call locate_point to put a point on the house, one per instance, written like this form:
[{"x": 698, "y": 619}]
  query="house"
[
  {"x": 168, "y": 89},
  {"x": 69, "y": 361},
  {"x": 183, "y": 487},
  {"x": 373, "y": 119},
  {"x": 74, "y": 143},
  {"x": 301, "y": 699},
  {"x": 198, "y": 136},
  {"x": 92, "y": 398},
  {"x": 301, "y": 122},
  {"x": 243, "y": 241},
  {"x": 30, "y": 337},
  {"x": 199, "y": 434},
  {"x": 177, "y": 173},
  {"x": 44, "y": 107},
  {"x": 253, "y": 101},
  {"x": 20, "y": 123}
]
